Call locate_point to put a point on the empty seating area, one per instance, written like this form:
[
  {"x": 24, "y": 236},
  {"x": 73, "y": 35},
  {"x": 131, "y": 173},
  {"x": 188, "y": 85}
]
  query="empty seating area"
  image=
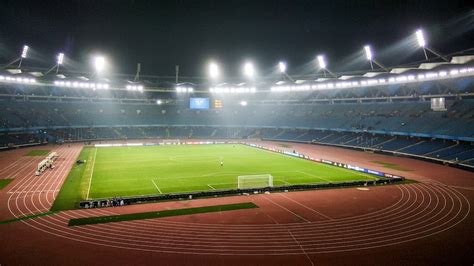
[
  {"x": 379, "y": 126},
  {"x": 409, "y": 117}
]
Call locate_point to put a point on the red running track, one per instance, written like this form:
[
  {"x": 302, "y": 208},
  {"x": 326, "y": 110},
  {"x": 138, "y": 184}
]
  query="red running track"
[{"x": 423, "y": 223}]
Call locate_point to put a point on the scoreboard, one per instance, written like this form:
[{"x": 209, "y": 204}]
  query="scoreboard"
[
  {"x": 199, "y": 103},
  {"x": 204, "y": 103},
  {"x": 217, "y": 104}
]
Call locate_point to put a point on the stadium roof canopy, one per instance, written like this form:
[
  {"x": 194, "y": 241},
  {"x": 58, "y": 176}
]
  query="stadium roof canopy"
[{"x": 459, "y": 66}]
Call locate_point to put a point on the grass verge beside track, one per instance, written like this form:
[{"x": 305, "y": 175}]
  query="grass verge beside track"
[
  {"x": 26, "y": 217},
  {"x": 70, "y": 193},
  {"x": 160, "y": 214},
  {"x": 5, "y": 182}
]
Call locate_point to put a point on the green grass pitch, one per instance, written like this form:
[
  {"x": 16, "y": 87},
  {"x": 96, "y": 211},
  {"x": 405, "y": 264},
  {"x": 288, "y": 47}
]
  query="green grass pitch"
[{"x": 135, "y": 171}]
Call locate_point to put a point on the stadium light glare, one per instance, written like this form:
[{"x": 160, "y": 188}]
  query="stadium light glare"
[
  {"x": 368, "y": 52},
  {"x": 282, "y": 67},
  {"x": 420, "y": 38},
  {"x": 159, "y": 102},
  {"x": 214, "y": 70},
  {"x": 60, "y": 58},
  {"x": 321, "y": 62},
  {"x": 99, "y": 63},
  {"x": 243, "y": 103},
  {"x": 24, "y": 52},
  {"x": 249, "y": 70}
]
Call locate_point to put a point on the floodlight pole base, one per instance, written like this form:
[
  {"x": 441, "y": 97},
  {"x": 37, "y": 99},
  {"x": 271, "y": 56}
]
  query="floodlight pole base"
[
  {"x": 436, "y": 53},
  {"x": 51, "y": 69},
  {"x": 329, "y": 72},
  {"x": 379, "y": 65},
  {"x": 288, "y": 77},
  {"x": 12, "y": 62},
  {"x": 426, "y": 55}
]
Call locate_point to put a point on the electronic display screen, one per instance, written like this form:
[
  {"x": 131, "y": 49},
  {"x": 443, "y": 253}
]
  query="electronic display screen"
[{"x": 199, "y": 103}]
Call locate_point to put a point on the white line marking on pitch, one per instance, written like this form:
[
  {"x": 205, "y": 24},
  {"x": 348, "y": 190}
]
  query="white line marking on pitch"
[
  {"x": 92, "y": 172},
  {"x": 211, "y": 187},
  {"x": 159, "y": 190}
]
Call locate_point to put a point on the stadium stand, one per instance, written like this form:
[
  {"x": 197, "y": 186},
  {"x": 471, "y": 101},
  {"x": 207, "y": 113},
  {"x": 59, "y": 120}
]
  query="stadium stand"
[{"x": 398, "y": 122}]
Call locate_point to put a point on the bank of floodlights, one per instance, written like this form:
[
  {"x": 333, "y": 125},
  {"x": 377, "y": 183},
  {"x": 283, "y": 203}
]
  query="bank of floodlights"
[
  {"x": 420, "y": 37},
  {"x": 370, "y": 57},
  {"x": 214, "y": 71},
  {"x": 99, "y": 64},
  {"x": 323, "y": 66},
  {"x": 23, "y": 55},
  {"x": 60, "y": 59},
  {"x": 249, "y": 70},
  {"x": 282, "y": 69}
]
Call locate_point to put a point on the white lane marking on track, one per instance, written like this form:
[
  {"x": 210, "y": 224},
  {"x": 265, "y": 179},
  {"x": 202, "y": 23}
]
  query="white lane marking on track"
[
  {"x": 159, "y": 190},
  {"x": 33, "y": 191},
  {"x": 295, "y": 214},
  {"x": 301, "y": 204},
  {"x": 302, "y": 249}
]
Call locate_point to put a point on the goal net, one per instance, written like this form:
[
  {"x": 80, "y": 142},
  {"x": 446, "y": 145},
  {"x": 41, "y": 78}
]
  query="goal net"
[{"x": 254, "y": 181}]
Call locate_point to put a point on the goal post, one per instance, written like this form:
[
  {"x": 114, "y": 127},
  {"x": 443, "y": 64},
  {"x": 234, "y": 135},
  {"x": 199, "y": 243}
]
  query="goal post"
[{"x": 254, "y": 181}]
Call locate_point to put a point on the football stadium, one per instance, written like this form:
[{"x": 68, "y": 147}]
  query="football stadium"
[{"x": 366, "y": 160}]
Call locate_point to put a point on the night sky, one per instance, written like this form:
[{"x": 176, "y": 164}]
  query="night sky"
[{"x": 161, "y": 34}]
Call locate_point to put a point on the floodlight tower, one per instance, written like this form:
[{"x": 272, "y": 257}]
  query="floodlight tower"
[
  {"x": 249, "y": 70},
  {"x": 370, "y": 56},
  {"x": 323, "y": 66},
  {"x": 282, "y": 69},
  {"x": 420, "y": 37},
  {"x": 24, "y": 54},
  {"x": 59, "y": 61},
  {"x": 214, "y": 71},
  {"x": 99, "y": 63}
]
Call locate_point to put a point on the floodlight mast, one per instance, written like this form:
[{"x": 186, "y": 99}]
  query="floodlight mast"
[
  {"x": 137, "y": 74},
  {"x": 24, "y": 54},
  {"x": 99, "y": 63},
  {"x": 370, "y": 56},
  {"x": 323, "y": 66},
  {"x": 282, "y": 68},
  {"x": 420, "y": 37},
  {"x": 249, "y": 70},
  {"x": 176, "y": 68},
  {"x": 213, "y": 71},
  {"x": 59, "y": 61}
]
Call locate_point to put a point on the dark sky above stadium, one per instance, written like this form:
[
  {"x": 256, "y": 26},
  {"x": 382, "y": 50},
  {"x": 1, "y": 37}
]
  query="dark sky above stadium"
[{"x": 161, "y": 34}]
